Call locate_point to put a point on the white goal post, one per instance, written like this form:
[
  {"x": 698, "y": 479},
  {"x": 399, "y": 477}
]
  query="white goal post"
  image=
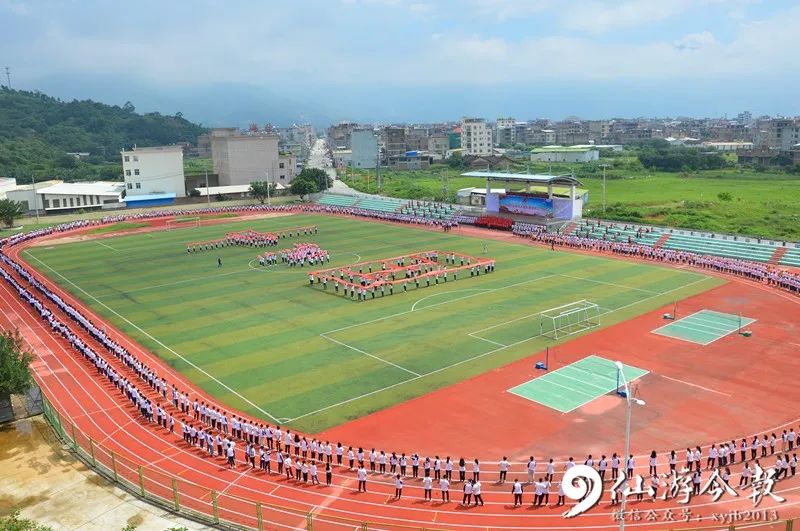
[
  {"x": 569, "y": 319},
  {"x": 183, "y": 222}
]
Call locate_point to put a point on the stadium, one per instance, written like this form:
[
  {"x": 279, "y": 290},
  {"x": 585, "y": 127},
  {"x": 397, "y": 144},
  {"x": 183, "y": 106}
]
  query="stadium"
[{"x": 399, "y": 340}]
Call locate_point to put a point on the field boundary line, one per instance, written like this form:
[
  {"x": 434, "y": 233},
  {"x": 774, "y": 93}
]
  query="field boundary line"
[
  {"x": 477, "y": 356},
  {"x": 694, "y": 385},
  {"x": 607, "y": 283},
  {"x": 199, "y": 369},
  {"x": 387, "y": 362}
]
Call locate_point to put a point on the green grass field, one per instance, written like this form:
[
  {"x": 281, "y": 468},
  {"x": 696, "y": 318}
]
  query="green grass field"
[{"x": 264, "y": 342}]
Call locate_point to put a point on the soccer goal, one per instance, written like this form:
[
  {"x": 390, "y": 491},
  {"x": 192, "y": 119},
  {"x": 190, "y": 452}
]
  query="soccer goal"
[
  {"x": 183, "y": 223},
  {"x": 569, "y": 319}
]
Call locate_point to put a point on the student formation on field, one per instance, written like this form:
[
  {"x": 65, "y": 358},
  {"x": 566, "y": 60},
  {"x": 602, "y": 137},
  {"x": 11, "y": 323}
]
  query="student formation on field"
[{"x": 274, "y": 450}]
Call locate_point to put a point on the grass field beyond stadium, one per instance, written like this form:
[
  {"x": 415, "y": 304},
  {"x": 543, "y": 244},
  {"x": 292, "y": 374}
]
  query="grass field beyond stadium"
[{"x": 263, "y": 342}]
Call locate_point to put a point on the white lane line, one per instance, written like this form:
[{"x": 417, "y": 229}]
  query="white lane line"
[
  {"x": 98, "y": 242},
  {"x": 695, "y": 385},
  {"x": 387, "y": 362}
]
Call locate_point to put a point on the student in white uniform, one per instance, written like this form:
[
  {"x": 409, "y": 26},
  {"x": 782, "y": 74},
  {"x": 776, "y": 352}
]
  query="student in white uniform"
[
  {"x": 444, "y": 486},
  {"x": 398, "y": 487},
  {"x": 531, "y": 469},
  {"x": 427, "y": 485},
  {"x": 467, "y": 499},
  {"x": 602, "y": 466},
  {"x": 362, "y": 479},
  {"x": 503, "y": 466},
  {"x": 516, "y": 490},
  {"x": 476, "y": 492}
]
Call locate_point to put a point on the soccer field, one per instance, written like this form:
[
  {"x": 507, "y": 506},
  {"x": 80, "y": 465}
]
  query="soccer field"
[{"x": 263, "y": 341}]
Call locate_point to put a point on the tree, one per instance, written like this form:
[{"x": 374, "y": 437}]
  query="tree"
[
  {"x": 15, "y": 374},
  {"x": 10, "y": 210},
  {"x": 13, "y": 522},
  {"x": 303, "y": 187},
  {"x": 316, "y": 175},
  {"x": 261, "y": 190}
]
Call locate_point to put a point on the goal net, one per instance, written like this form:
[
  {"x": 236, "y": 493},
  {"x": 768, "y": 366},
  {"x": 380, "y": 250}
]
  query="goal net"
[
  {"x": 569, "y": 319},
  {"x": 183, "y": 223}
]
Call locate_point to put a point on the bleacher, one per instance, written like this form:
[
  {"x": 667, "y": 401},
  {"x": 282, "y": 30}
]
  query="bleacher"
[
  {"x": 338, "y": 200},
  {"x": 791, "y": 257},
  {"x": 717, "y": 247},
  {"x": 429, "y": 210},
  {"x": 616, "y": 232},
  {"x": 381, "y": 204},
  {"x": 729, "y": 248}
]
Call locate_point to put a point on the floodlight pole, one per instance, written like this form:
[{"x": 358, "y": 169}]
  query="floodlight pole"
[
  {"x": 621, "y": 375},
  {"x": 604, "y": 166}
]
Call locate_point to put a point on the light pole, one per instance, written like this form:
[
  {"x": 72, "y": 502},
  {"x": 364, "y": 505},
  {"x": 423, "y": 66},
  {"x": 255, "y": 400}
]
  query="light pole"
[
  {"x": 629, "y": 401},
  {"x": 604, "y": 166}
]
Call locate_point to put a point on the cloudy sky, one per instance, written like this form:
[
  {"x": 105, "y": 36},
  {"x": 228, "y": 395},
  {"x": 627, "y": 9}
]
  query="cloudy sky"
[{"x": 396, "y": 60}]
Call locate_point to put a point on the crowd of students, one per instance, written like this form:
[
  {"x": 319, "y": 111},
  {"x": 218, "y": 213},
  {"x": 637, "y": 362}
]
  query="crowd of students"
[
  {"x": 211, "y": 429},
  {"x": 238, "y": 440},
  {"x": 753, "y": 270}
]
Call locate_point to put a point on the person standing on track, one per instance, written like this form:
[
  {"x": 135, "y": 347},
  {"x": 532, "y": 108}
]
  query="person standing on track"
[
  {"x": 398, "y": 487},
  {"x": 362, "y": 479},
  {"x": 516, "y": 490},
  {"x": 476, "y": 492},
  {"x": 467, "y": 499},
  {"x": 427, "y": 484},
  {"x": 444, "y": 485},
  {"x": 503, "y": 466}
]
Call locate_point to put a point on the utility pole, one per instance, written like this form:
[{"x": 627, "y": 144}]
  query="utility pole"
[
  {"x": 8, "y": 77},
  {"x": 35, "y": 197},
  {"x": 208, "y": 192},
  {"x": 604, "y": 166},
  {"x": 378, "y": 164}
]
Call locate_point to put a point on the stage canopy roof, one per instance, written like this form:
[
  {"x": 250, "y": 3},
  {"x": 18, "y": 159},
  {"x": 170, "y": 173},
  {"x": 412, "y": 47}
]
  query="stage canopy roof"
[{"x": 526, "y": 178}]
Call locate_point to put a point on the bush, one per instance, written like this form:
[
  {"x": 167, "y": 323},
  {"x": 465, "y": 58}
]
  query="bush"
[
  {"x": 194, "y": 192},
  {"x": 724, "y": 196}
]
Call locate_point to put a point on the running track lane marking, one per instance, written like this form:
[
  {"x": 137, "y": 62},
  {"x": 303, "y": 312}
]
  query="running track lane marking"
[
  {"x": 467, "y": 360},
  {"x": 199, "y": 369},
  {"x": 182, "y": 471},
  {"x": 695, "y": 385},
  {"x": 699, "y": 505}
]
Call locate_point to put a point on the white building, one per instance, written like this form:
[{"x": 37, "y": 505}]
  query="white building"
[
  {"x": 58, "y": 196},
  {"x": 728, "y": 146},
  {"x": 564, "y": 154},
  {"x": 476, "y": 137},
  {"x": 154, "y": 171}
]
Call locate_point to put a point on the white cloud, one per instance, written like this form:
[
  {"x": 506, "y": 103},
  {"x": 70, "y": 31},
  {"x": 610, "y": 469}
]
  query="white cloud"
[
  {"x": 503, "y": 10},
  {"x": 421, "y": 8},
  {"x": 602, "y": 16},
  {"x": 696, "y": 41}
]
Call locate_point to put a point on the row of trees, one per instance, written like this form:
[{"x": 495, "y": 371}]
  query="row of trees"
[
  {"x": 660, "y": 155},
  {"x": 37, "y": 131}
]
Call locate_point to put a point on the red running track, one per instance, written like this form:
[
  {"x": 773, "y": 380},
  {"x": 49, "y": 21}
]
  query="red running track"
[{"x": 99, "y": 412}]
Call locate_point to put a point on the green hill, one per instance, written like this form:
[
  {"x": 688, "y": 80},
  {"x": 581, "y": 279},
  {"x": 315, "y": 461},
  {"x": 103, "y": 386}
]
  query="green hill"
[{"x": 37, "y": 131}]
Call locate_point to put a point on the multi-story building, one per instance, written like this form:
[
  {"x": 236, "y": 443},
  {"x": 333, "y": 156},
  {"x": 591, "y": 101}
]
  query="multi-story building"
[
  {"x": 394, "y": 141},
  {"x": 781, "y": 134},
  {"x": 365, "y": 149},
  {"x": 438, "y": 145},
  {"x": 243, "y": 158},
  {"x": 542, "y": 137},
  {"x": 476, "y": 137},
  {"x": 416, "y": 139},
  {"x": 154, "y": 171},
  {"x": 339, "y": 135}
]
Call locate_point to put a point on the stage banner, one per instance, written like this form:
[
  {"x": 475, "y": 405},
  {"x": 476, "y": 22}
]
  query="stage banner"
[{"x": 528, "y": 205}]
